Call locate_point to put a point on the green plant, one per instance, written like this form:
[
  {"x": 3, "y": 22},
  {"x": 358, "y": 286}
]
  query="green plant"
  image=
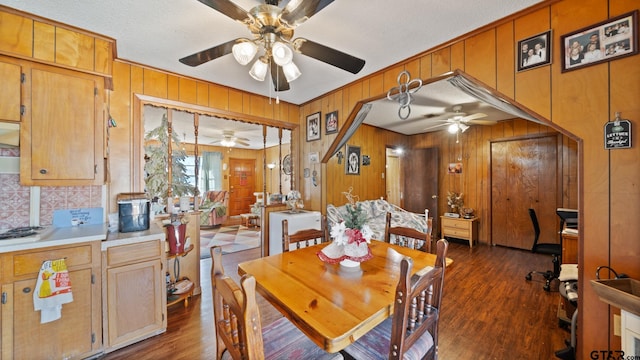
[{"x": 157, "y": 163}]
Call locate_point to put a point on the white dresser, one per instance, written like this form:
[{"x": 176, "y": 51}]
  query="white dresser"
[{"x": 296, "y": 221}]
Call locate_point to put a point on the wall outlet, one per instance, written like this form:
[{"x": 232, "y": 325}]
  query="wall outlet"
[{"x": 617, "y": 327}]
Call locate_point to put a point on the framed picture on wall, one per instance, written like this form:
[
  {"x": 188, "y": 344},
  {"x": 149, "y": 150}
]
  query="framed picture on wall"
[
  {"x": 313, "y": 127},
  {"x": 534, "y": 51},
  {"x": 608, "y": 40},
  {"x": 352, "y": 165},
  {"x": 331, "y": 122}
]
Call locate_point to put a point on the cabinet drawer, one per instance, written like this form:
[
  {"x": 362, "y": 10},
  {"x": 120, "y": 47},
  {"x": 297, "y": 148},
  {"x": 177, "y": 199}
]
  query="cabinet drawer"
[
  {"x": 457, "y": 233},
  {"x": 123, "y": 254},
  {"x": 29, "y": 262},
  {"x": 458, "y": 224}
]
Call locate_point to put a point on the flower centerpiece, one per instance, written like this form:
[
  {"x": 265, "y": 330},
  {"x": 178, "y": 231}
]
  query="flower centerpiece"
[
  {"x": 350, "y": 236},
  {"x": 455, "y": 201}
]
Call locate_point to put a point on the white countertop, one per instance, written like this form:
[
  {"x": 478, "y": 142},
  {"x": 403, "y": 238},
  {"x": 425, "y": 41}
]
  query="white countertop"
[
  {"x": 117, "y": 238},
  {"x": 55, "y": 236}
]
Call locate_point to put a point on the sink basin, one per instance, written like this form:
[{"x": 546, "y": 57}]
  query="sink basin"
[{"x": 621, "y": 293}]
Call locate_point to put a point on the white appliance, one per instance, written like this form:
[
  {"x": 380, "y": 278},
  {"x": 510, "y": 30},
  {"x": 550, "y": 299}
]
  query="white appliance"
[{"x": 296, "y": 221}]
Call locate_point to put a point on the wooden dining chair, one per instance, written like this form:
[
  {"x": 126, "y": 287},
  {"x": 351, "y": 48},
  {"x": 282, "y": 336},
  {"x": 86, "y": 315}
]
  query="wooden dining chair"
[
  {"x": 409, "y": 237},
  {"x": 412, "y": 331},
  {"x": 239, "y": 330},
  {"x": 306, "y": 237}
]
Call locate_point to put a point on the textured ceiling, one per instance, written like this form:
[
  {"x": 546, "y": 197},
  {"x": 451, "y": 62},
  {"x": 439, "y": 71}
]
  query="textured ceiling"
[{"x": 159, "y": 32}]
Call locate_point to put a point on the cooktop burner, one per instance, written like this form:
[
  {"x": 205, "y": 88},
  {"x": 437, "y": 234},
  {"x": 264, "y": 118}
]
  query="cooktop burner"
[{"x": 19, "y": 232}]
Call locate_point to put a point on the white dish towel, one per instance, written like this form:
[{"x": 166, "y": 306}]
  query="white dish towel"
[{"x": 53, "y": 288}]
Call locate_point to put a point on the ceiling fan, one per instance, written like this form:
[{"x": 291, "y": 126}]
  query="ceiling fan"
[
  {"x": 230, "y": 140},
  {"x": 272, "y": 30},
  {"x": 460, "y": 121}
]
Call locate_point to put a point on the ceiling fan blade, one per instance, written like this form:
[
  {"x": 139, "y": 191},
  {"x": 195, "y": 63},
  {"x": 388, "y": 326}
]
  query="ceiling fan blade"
[
  {"x": 435, "y": 127},
  {"x": 204, "y": 56},
  {"x": 243, "y": 143},
  {"x": 328, "y": 55},
  {"x": 280, "y": 82},
  {"x": 482, "y": 122},
  {"x": 297, "y": 12},
  {"x": 227, "y": 8},
  {"x": 473, "y": 117}
]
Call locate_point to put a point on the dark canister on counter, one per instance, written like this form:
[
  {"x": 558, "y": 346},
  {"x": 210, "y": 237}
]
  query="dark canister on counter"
[{"x": 133, "y": 212}]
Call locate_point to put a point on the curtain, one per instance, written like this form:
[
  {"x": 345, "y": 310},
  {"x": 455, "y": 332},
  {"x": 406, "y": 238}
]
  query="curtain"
[{"x": 211, "y": 173}]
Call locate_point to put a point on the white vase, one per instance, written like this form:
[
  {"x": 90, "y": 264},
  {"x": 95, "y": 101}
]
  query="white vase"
[{"x": 349, "y": 263}]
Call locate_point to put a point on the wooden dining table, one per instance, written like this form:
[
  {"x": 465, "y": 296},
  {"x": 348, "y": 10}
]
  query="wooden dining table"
[{"x": 331, "y": 304}]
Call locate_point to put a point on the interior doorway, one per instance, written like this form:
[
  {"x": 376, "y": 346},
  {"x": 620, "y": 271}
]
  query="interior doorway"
[
  {"x": 241, "y": 185},
  {"x": 393, "y": 176}
]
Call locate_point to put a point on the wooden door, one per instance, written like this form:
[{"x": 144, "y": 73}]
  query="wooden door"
[
  {"x": 241, "y": 185},
  {"x": 524, "y": 175},
  {"x": 421, "y": 182},
  {"x": 393, "y": 182}
]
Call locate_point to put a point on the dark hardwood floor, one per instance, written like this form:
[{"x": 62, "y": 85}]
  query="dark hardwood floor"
[{"x": 489, "y": 311}]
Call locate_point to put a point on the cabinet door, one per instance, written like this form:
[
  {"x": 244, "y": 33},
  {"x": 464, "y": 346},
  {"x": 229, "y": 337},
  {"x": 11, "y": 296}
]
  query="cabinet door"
[
  {"x": 62, "y": 136},
  {"x": 10, "y": 99},
  {"x": 70, "y": 337},
  {"x": 134, "y": 301}
]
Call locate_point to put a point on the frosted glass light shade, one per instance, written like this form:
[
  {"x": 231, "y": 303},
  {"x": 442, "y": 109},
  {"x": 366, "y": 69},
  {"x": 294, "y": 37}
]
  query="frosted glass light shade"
[
  {"x": 291, "y": 71},
  {"x": 259, "y": 70},
  {"x": 453, "y": 128},
  {"x": 244, "y": 52},
  {"x": 227, "y": 142},
  {"x": 282, "y": 54}
]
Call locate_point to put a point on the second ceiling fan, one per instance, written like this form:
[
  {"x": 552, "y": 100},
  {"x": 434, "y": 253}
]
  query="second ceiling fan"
[{"x": 272, "y": 31}]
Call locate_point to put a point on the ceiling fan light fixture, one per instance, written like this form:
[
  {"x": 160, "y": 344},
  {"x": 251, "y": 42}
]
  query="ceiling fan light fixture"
[
  {"x": 244, "y": 52},
  {"x": 291, "y": 71},
  {"x": 453, "y": 128},
  {"x": 227, "y": 143},
  {"x": 463, "y": 127},
  {"x": 259, "y": 69},
  {"x": 282, "y": 54}
]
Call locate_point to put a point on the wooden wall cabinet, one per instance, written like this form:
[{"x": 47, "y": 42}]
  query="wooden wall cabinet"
[
  {"x": 133, "y": 294},
  {"x": 76, "y": 335},
  {"x": 10, "y": 91},
  {"x": 62, "y": 131}
]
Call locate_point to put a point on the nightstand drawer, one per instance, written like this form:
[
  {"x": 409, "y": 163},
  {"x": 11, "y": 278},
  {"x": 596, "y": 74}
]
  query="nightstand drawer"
[
  {"x": 455, "y": 223},
  {"x": 457, "y": 233}
]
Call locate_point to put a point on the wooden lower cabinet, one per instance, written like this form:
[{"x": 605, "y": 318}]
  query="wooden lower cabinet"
[
  {"x": 134, "y": 301},
  {"x": 76, "y": 335}
]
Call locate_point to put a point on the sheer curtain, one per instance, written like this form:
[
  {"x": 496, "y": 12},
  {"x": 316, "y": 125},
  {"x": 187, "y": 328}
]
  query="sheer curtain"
[{"x": 211, "y": 174}]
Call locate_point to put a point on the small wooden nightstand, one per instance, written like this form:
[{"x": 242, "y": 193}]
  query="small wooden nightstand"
[{"x": 460, "y": 228}]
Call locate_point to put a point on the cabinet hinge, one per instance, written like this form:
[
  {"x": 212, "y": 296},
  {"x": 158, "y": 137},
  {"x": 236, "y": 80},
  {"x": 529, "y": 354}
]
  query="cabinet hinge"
[
  {"x": 23, "y": 78},
  {"x": 95, "y": 169},
  {"x": 4, "y": 298},
  {"x": 93, "y": 279},
  {"x": 95, "y": 91},
  {"x": 93, "y": 338},
  {"x": 22, "y": 110}
]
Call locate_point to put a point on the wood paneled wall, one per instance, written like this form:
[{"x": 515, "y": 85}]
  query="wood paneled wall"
[
  {"x": 45, "y": 41},
  {"x": 131, "y": 80},
  {"x": 577, "y": 103},
  {"x": 474, "y": 148}
]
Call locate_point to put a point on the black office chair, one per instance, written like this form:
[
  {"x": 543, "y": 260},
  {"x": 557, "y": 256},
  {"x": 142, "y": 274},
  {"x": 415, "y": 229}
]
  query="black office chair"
[{"x": 554, "y": 250}]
